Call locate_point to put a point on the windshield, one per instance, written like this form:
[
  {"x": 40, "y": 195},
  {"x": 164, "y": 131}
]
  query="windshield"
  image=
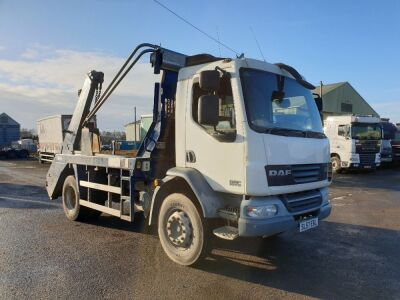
[
  {"x": 397, "y": 136},
  {"x": 389, "y": 130},
  {"x": 366, "y": 131},
  {"x": 293, "y": 106}
]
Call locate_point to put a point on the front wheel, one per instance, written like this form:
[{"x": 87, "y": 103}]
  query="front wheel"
[
  {"x": 183, "y": 232},
  {"x": 336, "y": 164}
]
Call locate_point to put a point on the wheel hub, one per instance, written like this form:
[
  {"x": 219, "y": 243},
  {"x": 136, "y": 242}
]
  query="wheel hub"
[
  {"x": 70, "y": 198},
  {"x": 335, "y": 164},
  {"x": 179, "y": 229}
]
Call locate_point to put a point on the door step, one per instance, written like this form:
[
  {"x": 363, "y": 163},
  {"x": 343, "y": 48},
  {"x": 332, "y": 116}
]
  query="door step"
[
  {"x": 229, "y": 213},
  {"x": 226, "y": 232}
]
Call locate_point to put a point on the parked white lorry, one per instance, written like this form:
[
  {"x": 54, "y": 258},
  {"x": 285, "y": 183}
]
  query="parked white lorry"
[
  {"x": 235, "y": 148},
  {"x": 355, "y": 141},
  {"x": 25, "y": 144},
  {"x": 51, "y": 132}
]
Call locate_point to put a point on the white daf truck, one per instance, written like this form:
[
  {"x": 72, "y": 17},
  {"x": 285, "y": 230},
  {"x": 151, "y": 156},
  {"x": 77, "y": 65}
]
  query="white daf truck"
[
  {"x": 235, "y": 149},
  {"x": 355, "y": 141}
]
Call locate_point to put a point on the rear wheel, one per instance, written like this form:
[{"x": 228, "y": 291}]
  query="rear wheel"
[
  {"x": 70, "y": 201},
  {"x": 336, "y": 164},
  {"x": 183, "y": 232}
]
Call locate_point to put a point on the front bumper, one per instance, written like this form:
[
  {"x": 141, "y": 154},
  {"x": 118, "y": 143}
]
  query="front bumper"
[
  {"x": 386, "y": 157},
  {"x": 358, "y": 166},
  {"x": 396, "y": 156},
  {"x": 283, "y": 221}
]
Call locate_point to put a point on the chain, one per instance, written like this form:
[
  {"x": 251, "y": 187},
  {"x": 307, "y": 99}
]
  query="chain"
[{"x": 98, "y": 92}]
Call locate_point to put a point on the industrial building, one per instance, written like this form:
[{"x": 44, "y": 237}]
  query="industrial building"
[
  {"x": 9, "y": 130},
  {"x": 141, "y": 126},
  {"x": 342, "y": 99},
  {"x": 130, "y": 131}
]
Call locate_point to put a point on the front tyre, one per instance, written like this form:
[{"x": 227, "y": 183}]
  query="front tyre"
[
  {"x": 336, "y": 164},
  {"x": 183, "y": 232}
]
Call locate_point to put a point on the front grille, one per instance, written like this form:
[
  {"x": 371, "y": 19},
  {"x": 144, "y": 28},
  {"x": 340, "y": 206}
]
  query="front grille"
[
  {"x": 279, "y": 175},
  {"x": 302, "y": 201},
  {"x": 306, "y": 173},
  {"x": 367, "y": 159},
  {"x": 367, "y": 146}
]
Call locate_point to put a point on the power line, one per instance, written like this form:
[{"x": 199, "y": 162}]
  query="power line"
[
  {"x": 195, "y": 27},
  {"x": 258, "y": 45}
]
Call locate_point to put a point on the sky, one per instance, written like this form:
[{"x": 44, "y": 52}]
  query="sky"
[{"x": 47, "y": 47}]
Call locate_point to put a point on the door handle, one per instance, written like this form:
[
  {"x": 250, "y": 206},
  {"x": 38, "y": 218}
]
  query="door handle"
[{"x": 190, "y": 156}]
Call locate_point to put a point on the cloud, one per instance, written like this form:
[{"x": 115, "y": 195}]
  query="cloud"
[{"x": 45, "y": 81}]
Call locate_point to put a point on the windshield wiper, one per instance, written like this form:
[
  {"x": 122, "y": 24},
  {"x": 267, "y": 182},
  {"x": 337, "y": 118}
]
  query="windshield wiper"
[
  {"x": 285, "y": 131},
  {"x": 315, "y": 134},
  {"x": 295, "y": 132}
]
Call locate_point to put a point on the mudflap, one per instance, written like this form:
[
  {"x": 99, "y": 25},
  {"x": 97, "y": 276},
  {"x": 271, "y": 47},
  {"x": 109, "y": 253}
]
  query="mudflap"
[{"x": 55, "y": 177}]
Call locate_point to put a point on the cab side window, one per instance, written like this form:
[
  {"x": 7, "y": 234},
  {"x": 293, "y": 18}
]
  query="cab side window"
[
  {"x": 225, "y": 130},
  {"x": 343, "y": 130}
]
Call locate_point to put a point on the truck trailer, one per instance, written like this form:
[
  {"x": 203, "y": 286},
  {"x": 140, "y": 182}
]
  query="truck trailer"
[
  {"x": 395, "y": 143},
  {"x": 390, "y": 152},
  {"x": 51, "y": 132},
  {"x": 355, "y": 142},
  {"x": 235, "y": 149}
]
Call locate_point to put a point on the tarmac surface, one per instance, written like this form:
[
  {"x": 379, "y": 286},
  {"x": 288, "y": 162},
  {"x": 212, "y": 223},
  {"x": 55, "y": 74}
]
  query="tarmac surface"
[{"x": 355, "y": 253}]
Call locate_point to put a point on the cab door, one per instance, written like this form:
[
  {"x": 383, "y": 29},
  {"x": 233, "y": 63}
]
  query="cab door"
[{"x": 216, "y": 152}]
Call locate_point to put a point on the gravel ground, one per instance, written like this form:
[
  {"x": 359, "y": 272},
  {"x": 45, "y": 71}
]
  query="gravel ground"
[{"x": 353, "y": 254}]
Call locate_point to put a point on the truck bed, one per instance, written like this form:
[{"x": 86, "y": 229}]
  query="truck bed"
[{"x": 98, "y": 160}]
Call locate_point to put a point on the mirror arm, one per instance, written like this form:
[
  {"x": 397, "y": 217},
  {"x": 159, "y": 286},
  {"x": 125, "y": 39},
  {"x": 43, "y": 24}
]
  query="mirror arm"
[{"x": 224, "y": 72}]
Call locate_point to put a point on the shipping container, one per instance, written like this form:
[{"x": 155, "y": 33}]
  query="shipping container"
[{"x": 51, "y": 131}]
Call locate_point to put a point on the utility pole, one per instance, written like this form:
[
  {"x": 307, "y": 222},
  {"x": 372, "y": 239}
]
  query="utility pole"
[
  {"x": 320, "y": 89},
  {"x": 135, "y": 128}
]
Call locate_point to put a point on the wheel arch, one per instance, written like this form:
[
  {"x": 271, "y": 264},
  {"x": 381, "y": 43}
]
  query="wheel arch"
[
  {"x": 55, "y": 178},
  {"x": 334, "y": 154},
  {"x": 191, "y": 183}
]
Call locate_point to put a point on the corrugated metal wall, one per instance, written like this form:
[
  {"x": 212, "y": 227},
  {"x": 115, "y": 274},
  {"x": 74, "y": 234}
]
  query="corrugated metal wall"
[
  {"x": 8, "y": 134},
  {"x": 344, "y": 97},
  {"x": 345, "y": 100},
  {"x": 9, "y": 131}
]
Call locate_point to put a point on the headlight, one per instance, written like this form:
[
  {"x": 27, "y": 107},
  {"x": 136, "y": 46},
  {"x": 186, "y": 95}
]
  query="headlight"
[
  {"x": 265, "y": 211},
  {"x": 354, "y": 158}
]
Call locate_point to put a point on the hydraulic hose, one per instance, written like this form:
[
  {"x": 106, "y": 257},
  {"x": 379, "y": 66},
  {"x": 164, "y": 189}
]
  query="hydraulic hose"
[
  {"x": 117, "y": 79},
  {"x": 125, "y": 64}
]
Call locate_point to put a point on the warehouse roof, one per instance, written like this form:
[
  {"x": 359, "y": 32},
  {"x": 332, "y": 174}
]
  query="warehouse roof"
[
  {"x": 7, "y": 120},
  {"x": 326, "y": 88},
  {"x": 335, "y": 94},
  {"x": 133, "y": 123}
]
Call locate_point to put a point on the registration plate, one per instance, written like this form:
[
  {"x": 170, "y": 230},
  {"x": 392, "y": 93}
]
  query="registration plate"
[
  {"x": 308, "y": 224},
  {"x": 367, "y": 167}
]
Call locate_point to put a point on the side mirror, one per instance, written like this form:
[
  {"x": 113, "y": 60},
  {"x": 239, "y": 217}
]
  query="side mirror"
[
  {"x": 318, "y": 101},
  {"x": 208, "y": 110},
  {"x": 209, "y": 80},
  {"x": 277, "y": 96}
]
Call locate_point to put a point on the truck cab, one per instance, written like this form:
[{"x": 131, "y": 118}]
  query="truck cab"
[
  {"x": 236, "y": 148},
  {"x": 396, "y": 145},
  {"x": 388, "y": 151},
  {"x": 355, "y": 141}
]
